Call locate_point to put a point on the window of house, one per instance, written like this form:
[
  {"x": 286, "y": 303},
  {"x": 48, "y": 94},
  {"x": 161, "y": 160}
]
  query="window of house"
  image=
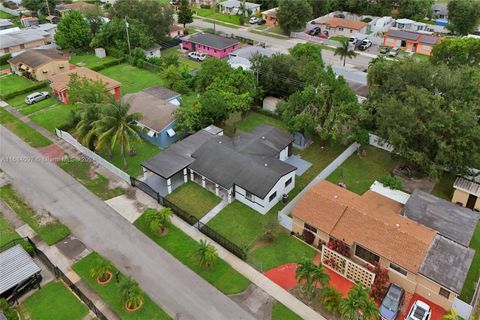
[
  {"x": 22, "y": 46},
  {"x": 310, "y": 228},
  {"x": 6, "y": 50},
  {"x": 340, "y": 29},
  {"x": 366, "y": 255},
  {"x": 398, "y": 269},
  {"x": 287, "y": 183},
  {"x": 444, "y": 293},
  {"x": 249, "y": 195},
  {"x": 273, "y": 196}
]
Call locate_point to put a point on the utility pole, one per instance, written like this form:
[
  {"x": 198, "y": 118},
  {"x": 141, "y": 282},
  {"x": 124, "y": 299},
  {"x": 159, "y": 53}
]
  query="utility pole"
[
  {"x": 128, "y": 38},
  {"x": 48, "y": 8}
]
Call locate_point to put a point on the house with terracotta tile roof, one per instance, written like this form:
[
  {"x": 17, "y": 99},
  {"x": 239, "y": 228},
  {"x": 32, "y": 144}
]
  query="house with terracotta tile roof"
[
  {"x": 410, "y": 41},
  {"x": 341, "y": 27},
  {"x": 423, "y": 244}
]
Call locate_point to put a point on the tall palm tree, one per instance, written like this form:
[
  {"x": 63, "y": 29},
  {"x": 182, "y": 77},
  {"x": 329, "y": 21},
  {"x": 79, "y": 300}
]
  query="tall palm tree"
[
  {"x": 158, "y": 220},
  {"x": 331, "y": 299},
  {"x": 355, "y": 303},
  {"x": 117, "y": 127},
  {"x": 309, "y": 275},
  {"x": 85, "y": 129},
  {"x": 206, "y": 254},
  {"x": 345, "y": 52},
  {"x": 131, "y": 293}
]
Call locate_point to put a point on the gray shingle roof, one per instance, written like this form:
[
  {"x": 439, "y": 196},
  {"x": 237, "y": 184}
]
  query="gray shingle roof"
[
  {"x": 35, "y": 58},
  {"x": 16, "y": 266},
  {"x": 248, "y": 51},
  {"x": 21, "y": 37},
  {"x": 428, "y": 39},
  {"x": 447, "y": 263},
  {"x": 450, "y": 220},
  {"x": 211, "y": 40},
  {"x": 162, "y": 93},
  {"x": 403, "y": 34}
]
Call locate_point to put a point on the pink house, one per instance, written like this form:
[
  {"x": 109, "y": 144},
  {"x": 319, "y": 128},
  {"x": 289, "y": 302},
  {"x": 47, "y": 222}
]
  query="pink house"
[{"x": 211, "y": 44}]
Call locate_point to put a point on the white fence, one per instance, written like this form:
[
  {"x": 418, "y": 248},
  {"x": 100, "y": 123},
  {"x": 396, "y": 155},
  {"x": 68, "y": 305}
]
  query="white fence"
[
  {"x": 379, "y": 142},
  {"x": 318, "y": 40},
  {"x": 285, "y": 221},
  {"x": 92, "y": 155},
  {"x": 9, "y": 11}
]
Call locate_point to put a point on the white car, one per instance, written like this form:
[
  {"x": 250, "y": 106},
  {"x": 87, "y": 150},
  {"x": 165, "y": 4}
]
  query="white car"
[
  {"x": 365, "y": 44},
  {"x": 36, "y": 97},
  {"x": 419, "y": 311},
  {"x": 198, "y": 56},
  {"x": 352, "y": 40},
  {"x": 253, "y": 20},
  {"x": 394, "y": 52}
]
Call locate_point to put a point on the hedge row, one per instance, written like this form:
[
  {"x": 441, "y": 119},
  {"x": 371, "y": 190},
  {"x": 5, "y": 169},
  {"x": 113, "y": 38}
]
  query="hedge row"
[
  {"x": 35, "y": 86},
  {"x": 4, "y": 58},
  {"x": 108, "y": 64}
]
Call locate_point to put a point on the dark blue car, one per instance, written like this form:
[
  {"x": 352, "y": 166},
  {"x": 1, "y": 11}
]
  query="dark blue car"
[{"x": 392, "y": 302}]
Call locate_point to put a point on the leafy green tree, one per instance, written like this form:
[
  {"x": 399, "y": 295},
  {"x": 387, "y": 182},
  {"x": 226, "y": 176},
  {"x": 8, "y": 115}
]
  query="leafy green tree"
[
  {"x": 86, "y": 91},
  {"x": 40, "y": 5},
  {"x": 357, "y": 304},
  {"x": 211, "y": 69},
  {"x": 7, "y": 310},
  {"x": 330, "y": 299},
  {"x": 188, "y": 119},
  {"x": 117, "y": 127},
  {"x": 463, "y": 16},
  {"x": 345, "y": 52},
  {"x": 131, "y": 293},
  {"x": 416, "y": 10},
  {"x": 456, "y": 52},
  {"x": 94, "y": 16},
  {"x": 178, "y": 78},
  {"x": 293, "y": 14},
  {"x": 184, "y": 13},
  {"x": 102, "y": 270},
  {"x": 309, "y": 275},
  {"x": 158, "y": 219},
  {"x": 206, "y": 254},
  {"x": 73, "y": 32},
  {"x": 451, "y": 314}
]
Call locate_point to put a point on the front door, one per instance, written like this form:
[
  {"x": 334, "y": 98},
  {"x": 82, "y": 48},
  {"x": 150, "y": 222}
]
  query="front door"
[
  {"x": 471, "y": 201},
  {"x": 194, "y": 47}
]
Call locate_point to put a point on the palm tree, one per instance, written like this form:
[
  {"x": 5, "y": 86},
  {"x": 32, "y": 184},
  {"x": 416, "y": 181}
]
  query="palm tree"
[
  {"x": 206, "y": 254},
  {"x": 158, "y": 220},
  {"x": 355, "y": 303},
  {"x": 331, "y": 299},
  {"x": 370, "y": 311},
  {"x": 310, "y": 274},
  {"x": 102, "y": 271},
  {"x": 131, "y": 294},
  {"x": 85, "y": 129},
  {"x": 450, "y": 315},
  {"x": 345, "y": 52},
  {"x": 117, "y": 127}
]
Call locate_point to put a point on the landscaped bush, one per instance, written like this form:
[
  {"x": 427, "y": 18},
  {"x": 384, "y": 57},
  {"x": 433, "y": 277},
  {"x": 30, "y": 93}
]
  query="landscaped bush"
[
  {"x": 340, "y": 247},
  {"x": 108, "y": 64},
  {"x": 205, "y": 6},
  {"x": 7, "y": 310},
  {"x": 366, "y": 20},
  {"x": 4, "y": 58},
  {"x": 380, "y": 285},
  {"x": 35, "y": 86},
  {"x": 392, "y": 182}
]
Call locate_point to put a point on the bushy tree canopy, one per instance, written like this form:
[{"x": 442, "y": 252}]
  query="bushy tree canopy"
[
  {"x": 73, "y": 32},
  {"x": 40, "y": 5},
  {"x": 293, "y": 14},
  {"x": 456, "y": 52},
  {"x": 184, "y": 14},
  {"x": 463, "y": 16}
]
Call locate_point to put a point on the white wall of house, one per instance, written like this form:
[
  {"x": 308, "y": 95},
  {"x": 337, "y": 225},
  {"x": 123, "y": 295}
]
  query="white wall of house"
[
  {"x": 264, "y": 205},
  {"x": 284, "y": 154}
]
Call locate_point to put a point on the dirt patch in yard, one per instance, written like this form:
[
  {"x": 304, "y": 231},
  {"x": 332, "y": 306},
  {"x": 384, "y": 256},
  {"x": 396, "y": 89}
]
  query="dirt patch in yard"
[
  {"x": 314, "y": 303},
  {"x": 412, "y": 180}
]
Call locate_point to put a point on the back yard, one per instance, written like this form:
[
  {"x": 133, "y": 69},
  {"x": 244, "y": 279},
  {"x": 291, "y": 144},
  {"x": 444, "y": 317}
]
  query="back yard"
[
  {"x": 132, "y": 78},
  {"x": 89, "y": 60}
]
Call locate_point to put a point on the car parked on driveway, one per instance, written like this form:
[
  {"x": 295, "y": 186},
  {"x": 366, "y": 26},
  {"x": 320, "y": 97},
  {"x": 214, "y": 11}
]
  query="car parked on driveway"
[
  {"x": 394, "y": 52},
  {"x": 392, "y": 302},
  {"x": 198, "y": 56},
  {"x": 384, "y": 50},
  {"x": 365, "y": 44},
  {"x": 419, "y": 311},
  {"x": 261, "y": 21},
  {"x": 36, "y": 97},
  {"x": 352, "y": 40},
  {"x": 253, "y": 20},
  {"x": 315, "y": 31}
]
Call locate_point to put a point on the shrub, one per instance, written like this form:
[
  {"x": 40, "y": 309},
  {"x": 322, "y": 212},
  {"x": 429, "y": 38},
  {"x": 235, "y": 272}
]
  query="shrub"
[
  {"x": 205, "y": 6},
  {"x": 268, "y": 235},
  {"x": 7, "y": 310},
  {"x": 4, "y": 58},
  {"x": 108, "y": 64},
  {"x": 380, "y": 285},
  {"x": 308, "y": 236},
  {"x": 340, "y": 247},
  {"x": 367, "y": 20},
  {"x": 392, "y": 182}
]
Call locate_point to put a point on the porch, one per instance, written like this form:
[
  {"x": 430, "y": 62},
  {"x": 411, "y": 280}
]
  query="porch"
[
  {"x": 164, "y": 186},
  {"x": 219, "y": 191}
]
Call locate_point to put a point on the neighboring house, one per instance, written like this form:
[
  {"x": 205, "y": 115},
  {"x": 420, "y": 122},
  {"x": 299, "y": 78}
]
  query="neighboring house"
[
  {"x": 176, "y": 31},
  {"x": 153, "y": 52},
  {"x": 270, "y": 17},
  {"x": 59, "y": 82},
  {"x": 411, "y": 25},
  {"x": 410, "y": 41},
  {"x": 39, "y": 64},
  {"x": 241, "y": 58},
  {"x": 157, "y": 120},
  {"x": 5, "y": 24},
  {"x": 76, "y": 6},
  {"x": 440, "y": 10},
  {"x": 210, "y": 44},
  {"x": 52, "y": 19},
  {"x": 16, "y": 41},
  {"x": 235, "y": 7},
  {"x": 49, "y": 28},
  {"x": 249, "y": 167},
  {"x": 467, "y": 191},
  {"x": 356, "y": 80},
  {"x": 340, "y": 26},
  {"x": 198, "y": 3},
  {"x": 424, "y": 245},
  {"x": 29, "y": 21}
]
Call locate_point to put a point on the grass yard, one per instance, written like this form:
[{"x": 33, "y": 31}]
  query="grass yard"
[
  {"x": 11, "y": 83},
  {"x": 50, "y": 232},
  {"x": 97, "y": 184},
  {"x": 5, "y": 15},
  {"x": 444, "y": 187},
  {"x": 54, "y": 117},
  {"x": 110, "y": 293},
  {"x": 338, "y": 38},
  {"x": 89, "y": 60},
  {"x": 204, "y": 12},
  {"x": 358, "y": 173},
  {"x": 132, "y": 78},
  {"x": 473, "y": 274},
  {"x": 55, "y": 301},
  {"x": 250, "y": 122},
  {"x": 194, "y": 199},
  {"x": 182, "y": 247},
  {"x": 6, "y": 231},
  {"x": 19, "y": 103},
  {"x": 421, "y": 57},
  {"x": 220, "y": 23},
  {"x": 23, "y": 130},
  {"x": 230, "y": 18},
  {"x": 192, "y": 65},
  {"x": 272, "y": 35},
  {"x": 280, "y": 312},
  {"x": 277, "y": 30}
]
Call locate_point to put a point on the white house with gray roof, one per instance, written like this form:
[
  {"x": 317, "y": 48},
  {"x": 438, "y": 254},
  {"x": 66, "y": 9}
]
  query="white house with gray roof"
[{"x": 241, "y": 58}]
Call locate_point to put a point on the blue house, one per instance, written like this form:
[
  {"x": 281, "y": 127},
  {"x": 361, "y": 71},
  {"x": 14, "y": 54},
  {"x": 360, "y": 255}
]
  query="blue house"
[{"x": 157, "y": 120}]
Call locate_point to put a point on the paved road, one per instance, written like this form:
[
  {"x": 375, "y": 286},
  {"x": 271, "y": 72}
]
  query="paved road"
[
  {"x": 177, "y": 289},
  {"x": 282, "y": 45}
]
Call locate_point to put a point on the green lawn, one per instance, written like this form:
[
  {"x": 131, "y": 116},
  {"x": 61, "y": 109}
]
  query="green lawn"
[
  {"x": 194, "y": 199},
  {"x": 98, "y": 184},
  {"x": 23, "y": 130},
  {"x": 192, "y": 65},
  {"x": 5, "y": 15},
  {"x": 230, "y": 18},
  {"x": 473, "y": 274},
  {"x": 51, "y": 232},
  {"x": 338, "y": 38},
  {"x": 421, "y": 57},
  {"x": 250, "y": 121},
  {"x": 182, "y": 247},
  {"x": 89, "y": 60},
  {"x": 55, "y": 301},
  {"x": 359, "y": 173},
  {"x": 19, "y": 103},
  {"x": 280, "y": 312},
  {"x": 277, "y": 30},
  {"x": 110, "y": 293},
  {"x": 11, "y": 82},
  {"x": 6, "y": 231},
  {"x": 54, "y": 117},
  {"x": 220, "y": 23},
  {"x": 272, "y": 35},
  {"x": 132, "y": 78},
  {"x": 204, "y": 12},
  {"x": 444, "y": 187}
]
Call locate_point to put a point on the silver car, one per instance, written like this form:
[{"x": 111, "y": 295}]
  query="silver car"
[{"x": 36, "y": 97}]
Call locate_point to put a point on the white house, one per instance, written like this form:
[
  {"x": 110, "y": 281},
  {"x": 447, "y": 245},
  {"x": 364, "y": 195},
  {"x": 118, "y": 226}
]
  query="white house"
[
  {"x": 241, "y": 58},
  {"x": 235, "y": 7}
]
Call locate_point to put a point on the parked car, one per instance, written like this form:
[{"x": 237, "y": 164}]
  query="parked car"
[
  {"x": 394, "y": 52},
  {"x": 419, "y": 311},
  {"x": 315, "y": 31},
  {"x": 198, "y": 56},
  {"x": 261, "y": 21},
  {"x": 384, "y": 50},
  {"x": 365, "y": 44},
  {"x": 36, "y": 97},
  {"x": 253, "y": 20},
  {"x": 392, "y": 302},
  {"x": 352, "y": 40}
]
